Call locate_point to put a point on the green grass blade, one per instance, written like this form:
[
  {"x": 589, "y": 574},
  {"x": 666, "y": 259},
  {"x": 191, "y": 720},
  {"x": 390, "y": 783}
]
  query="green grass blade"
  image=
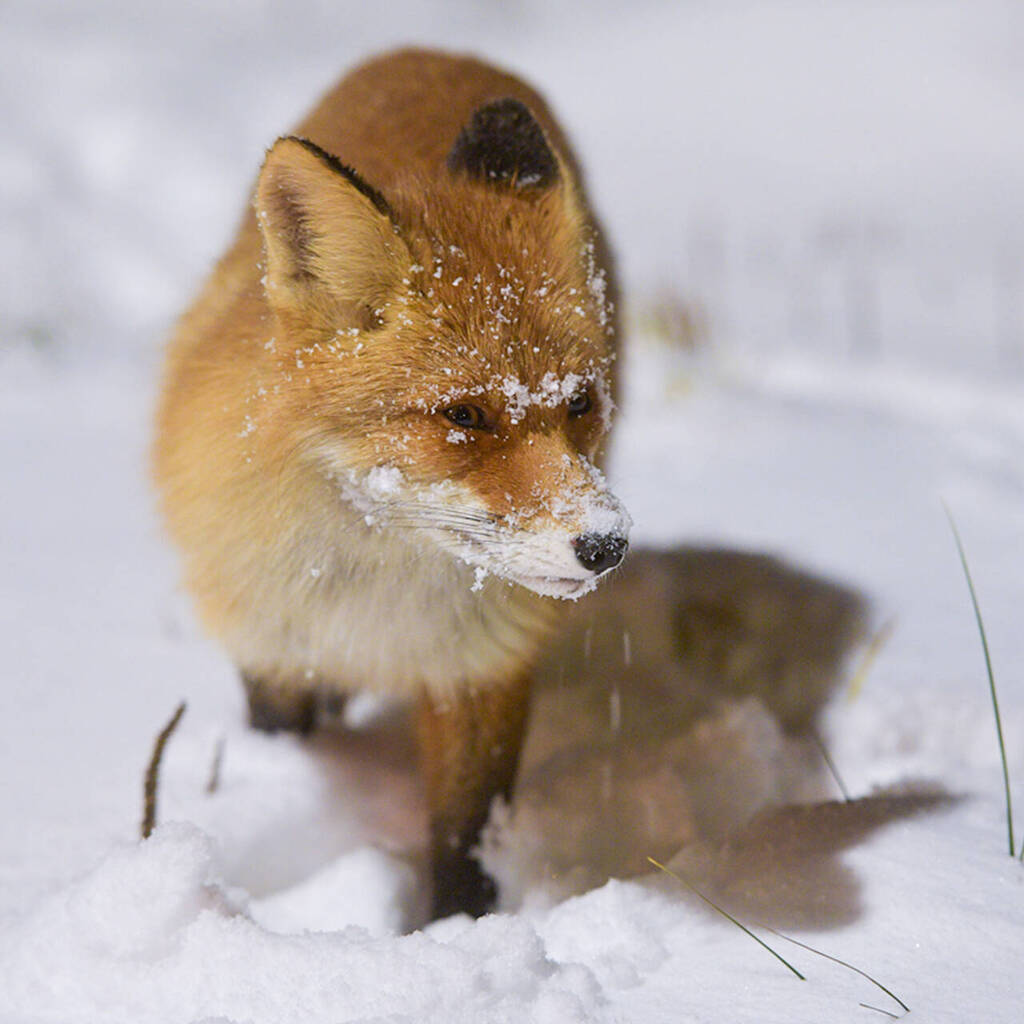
[
  {"x": 739, "y": 924},
  {"x": 830, "y": 764},
  {"x": 796, "y": 942},
  {"x": 991, "y": 677},
  {"x": 843, "y": 963},
  {"x": 878, "y": 1009}
]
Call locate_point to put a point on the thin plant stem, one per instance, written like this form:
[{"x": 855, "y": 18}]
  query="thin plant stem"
[
  {"x": 152, "y": 780},
  {"x": 213, "y": 784},
  {"x": 739, "y": 924},
  {"x": 878, "y": 1009},
  {"x": 830, "y": 764},
  {"x": 991, "y": 678},
  {"x": 842, "y": 963},
  {"x": 868, "y": 659},
  {"x": 796, "y": 942}
]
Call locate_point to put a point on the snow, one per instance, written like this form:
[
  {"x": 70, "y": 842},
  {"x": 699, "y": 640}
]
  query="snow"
[
  {"x": 833, "y": 191},
  {"x": 553, "y": 391}
]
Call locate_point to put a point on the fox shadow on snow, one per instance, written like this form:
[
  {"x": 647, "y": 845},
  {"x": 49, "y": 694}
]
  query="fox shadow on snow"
[{"x": 676, "y": 718}]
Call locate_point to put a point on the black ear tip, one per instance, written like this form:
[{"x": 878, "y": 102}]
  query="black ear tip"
[
  {"x": 504, "y": 117},
  {"x": 332, "y": 163},
  {"x": 504, "y": 143}
]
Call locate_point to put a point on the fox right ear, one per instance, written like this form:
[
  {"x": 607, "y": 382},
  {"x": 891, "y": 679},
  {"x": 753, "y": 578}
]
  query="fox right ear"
[{"x": 331, "y": 244}]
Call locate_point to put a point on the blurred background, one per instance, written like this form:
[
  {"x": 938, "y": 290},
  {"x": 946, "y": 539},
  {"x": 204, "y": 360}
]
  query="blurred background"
[{"x": 839, "y": 178}]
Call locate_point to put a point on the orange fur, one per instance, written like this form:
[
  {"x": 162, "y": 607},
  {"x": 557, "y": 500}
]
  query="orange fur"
[{"x": 340, "y": 529}]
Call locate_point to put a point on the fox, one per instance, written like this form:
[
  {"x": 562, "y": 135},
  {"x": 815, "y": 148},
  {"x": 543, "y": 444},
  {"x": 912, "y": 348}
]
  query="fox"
[{"x": 380, "y": 430}]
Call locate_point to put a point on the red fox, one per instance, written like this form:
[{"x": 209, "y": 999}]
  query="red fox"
[{"x": 377, "y": 438}]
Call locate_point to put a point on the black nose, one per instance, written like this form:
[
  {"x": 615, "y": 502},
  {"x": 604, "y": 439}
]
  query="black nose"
[{"x": 599, "y": 552}]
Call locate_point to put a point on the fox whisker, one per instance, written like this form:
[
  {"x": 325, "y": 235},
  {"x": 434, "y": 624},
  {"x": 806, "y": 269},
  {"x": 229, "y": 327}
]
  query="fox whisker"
[{"x": 463, "y": 513}]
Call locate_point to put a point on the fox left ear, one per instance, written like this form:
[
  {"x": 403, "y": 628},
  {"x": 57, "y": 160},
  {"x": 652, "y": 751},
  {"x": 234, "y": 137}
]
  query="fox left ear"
[
  {"x": 503, "y": 143},
  {"x": 331, "y": 244}
]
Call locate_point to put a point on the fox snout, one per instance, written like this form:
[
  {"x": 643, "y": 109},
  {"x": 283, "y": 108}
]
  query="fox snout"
[
  {"x": 558, "y": 543},
  {"x": 563, "y": 542}
]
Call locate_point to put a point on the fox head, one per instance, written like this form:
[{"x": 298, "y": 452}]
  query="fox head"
[{"x": 447, "y": 348}]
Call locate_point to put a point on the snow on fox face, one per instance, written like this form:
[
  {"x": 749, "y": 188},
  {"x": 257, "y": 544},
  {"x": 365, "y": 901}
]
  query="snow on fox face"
[
  {"x": 453, "y": 370},
  {"x": 486, "y": 441},
  {"x": 503, "y": 481},
  {"x": 569, "y": 530}
]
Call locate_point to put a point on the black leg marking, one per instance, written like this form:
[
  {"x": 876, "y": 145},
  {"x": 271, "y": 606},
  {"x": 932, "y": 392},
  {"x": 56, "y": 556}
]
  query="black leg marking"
[{"x": 274, "y": 708}]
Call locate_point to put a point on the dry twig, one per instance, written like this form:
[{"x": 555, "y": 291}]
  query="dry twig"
[{"x": 153, "y": 773}]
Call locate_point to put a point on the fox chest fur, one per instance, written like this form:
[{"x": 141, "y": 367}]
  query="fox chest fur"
[{"x": 378, "y": 435}]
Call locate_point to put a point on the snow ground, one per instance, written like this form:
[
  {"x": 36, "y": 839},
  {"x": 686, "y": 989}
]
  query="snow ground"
[{"x": 836, "y": 189}]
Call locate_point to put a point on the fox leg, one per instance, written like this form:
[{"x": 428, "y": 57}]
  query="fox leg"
[
  {"x": 274, "y": 707},
  {"x": 469, "y": 750}
]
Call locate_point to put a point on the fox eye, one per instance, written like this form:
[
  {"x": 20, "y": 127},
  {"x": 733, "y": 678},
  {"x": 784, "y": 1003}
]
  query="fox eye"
[
  {"x": 579, "y": 403},
  {"x": 470, "y": 416}
]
